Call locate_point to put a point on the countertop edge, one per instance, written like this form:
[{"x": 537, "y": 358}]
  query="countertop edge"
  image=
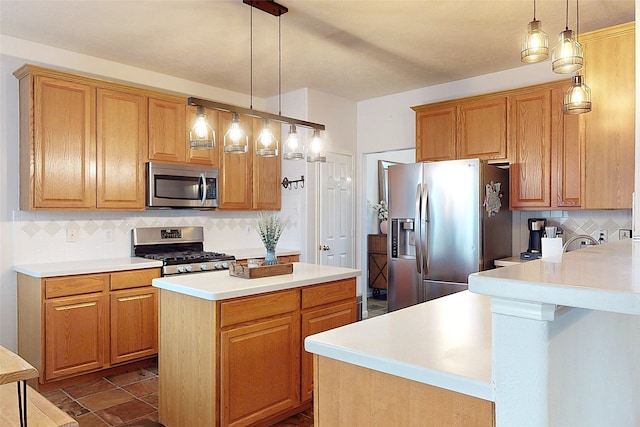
[{"x": 71, "y": 268}]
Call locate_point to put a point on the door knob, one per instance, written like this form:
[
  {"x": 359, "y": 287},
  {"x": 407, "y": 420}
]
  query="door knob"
[{"x": 324, "y": 248}]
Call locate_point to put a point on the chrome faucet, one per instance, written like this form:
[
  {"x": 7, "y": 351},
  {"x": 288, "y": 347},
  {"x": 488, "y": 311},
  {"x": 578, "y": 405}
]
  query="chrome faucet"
[{"x": 577, "y": 237}]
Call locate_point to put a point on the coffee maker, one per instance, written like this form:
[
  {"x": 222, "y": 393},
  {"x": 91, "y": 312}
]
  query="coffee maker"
[{"x": 536, "y": 232}]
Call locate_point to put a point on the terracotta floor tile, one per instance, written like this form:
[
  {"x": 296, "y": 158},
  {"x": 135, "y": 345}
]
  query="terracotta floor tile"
[
  {"x": 105, "y": 399},
  {"x": 90, "y": 420},
  {"x": 90, "y": 387},
  {"x": 72, "y": 408},
  {"x": 146, "y": 422},
  {"x": 56, "y": 396},
  {"x": 125, "y": 412},
  {"x": 130, "y": 377},
  {"x": 151, "y": 399},
  {"x": 143, "y": 388}
]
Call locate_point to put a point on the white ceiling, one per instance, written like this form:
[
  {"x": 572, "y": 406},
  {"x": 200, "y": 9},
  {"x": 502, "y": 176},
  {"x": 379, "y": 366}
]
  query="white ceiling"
[{"x": 357, "y": 49}]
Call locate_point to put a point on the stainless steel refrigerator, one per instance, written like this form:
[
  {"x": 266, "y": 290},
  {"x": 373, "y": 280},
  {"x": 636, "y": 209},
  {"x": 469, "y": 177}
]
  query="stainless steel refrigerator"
[{"x": 447, "y": 220}]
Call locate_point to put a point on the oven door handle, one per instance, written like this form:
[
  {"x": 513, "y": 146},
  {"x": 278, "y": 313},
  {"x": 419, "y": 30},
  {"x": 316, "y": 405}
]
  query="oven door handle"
[{"x": 203, "y": 189}]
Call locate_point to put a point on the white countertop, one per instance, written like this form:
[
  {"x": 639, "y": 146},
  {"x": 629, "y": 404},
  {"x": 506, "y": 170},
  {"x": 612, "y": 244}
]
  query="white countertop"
[
  {"x": 219, "y": 285},
  {"x": 506, "y": 262},
  {"x": 444, "y": 342},
  {"x": 67, "y": 268},
  {"x": 604, "y": 277}
]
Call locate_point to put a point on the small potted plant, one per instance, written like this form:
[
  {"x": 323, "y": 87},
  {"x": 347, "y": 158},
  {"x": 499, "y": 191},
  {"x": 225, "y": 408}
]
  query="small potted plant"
[
  {"x": 270, "y": 227},
  {"x": 382, "y": 212}
]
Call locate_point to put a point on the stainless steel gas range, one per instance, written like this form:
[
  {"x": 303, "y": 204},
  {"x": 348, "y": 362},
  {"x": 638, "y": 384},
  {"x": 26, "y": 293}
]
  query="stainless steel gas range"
[{"x": 181, "y": 249}]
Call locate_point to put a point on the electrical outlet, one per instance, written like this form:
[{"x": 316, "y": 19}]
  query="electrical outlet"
[
  {"x": 603, "y": 236},
  {"x": 107, "y": 235},
  {"x": 624, "y": 233},
  {"x": 72, "y": 234}
]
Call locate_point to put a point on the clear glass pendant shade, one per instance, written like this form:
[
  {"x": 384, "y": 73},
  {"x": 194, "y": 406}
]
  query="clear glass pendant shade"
[
  {"x": 315, "y": 152},
  {"x": 567, "y": 54},
  {"x": 236, "y": 140},
  {"x": 577, "y": 99},
  {"x": 535, "y": 47},
  {"x": 202, "y": 136},
  {"x": 266, "y": 142},
  {"x": 293, "y": 149}
]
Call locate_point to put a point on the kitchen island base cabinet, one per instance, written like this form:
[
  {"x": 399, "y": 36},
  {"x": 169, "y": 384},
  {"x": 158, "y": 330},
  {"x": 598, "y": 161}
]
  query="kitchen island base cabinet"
[
  {"x": 350, "y": 395},
  {"x": 240, "y": 361}
]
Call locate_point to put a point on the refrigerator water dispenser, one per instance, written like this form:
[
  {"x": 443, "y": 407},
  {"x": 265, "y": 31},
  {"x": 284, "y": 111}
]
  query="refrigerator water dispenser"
[{"x": 403, "y": 243}]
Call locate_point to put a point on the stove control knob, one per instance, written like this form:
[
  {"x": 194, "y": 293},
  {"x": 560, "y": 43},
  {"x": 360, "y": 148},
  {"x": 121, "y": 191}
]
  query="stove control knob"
[
  {"x": 188, "y": 268},
  {"x": 203, "y": 267},
  {"x": 180, "y": 269},
  {"x": 217, "y": 266},
  {"x": 225, "y": 265}
]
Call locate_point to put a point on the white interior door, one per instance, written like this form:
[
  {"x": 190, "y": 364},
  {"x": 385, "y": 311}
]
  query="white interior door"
[{"x": 336, "y": 232}]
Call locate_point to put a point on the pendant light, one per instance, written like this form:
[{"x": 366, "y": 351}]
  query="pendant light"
[
  {"x": 202, "y": 136},
  {"x": 567, "y": 54},
  {"x": 293, "y": 149},
  {"x": 535, "y": 47},
  {"x": 266, "y": 142},
  {"x": 577, "y": 99},
  {"x": 315, "y": 152},
  {"x": 236, "y": 140}
]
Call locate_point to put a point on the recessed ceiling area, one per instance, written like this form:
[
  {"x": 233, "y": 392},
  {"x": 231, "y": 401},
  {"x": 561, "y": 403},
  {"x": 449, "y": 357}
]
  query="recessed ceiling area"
[{"x": 355, "y": 49}]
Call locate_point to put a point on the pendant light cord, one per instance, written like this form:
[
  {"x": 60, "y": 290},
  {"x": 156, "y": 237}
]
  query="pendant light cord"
[
  {"x": 279, "y": 68},
  {"x": 251, "y": 59},
  {"x": 566, "y": 21},
  {"x": 534, "y": 10},
  {"x": 577, "y": 21}
]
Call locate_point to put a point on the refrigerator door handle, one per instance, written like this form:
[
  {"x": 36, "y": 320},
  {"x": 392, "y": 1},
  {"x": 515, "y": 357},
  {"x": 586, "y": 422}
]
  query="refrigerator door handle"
[
  {"x": 418, "y": 231},
  {"x": 424, "y": 228}
]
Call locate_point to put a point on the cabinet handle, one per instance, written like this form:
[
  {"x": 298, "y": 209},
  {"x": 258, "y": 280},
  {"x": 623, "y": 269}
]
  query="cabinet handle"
[
  {"x": 123, "y": 299},
  {"x": 70, "y": 307}
]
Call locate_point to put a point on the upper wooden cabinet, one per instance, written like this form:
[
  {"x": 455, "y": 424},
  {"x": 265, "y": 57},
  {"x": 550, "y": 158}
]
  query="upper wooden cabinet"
[
  {"x": 81, "y": 143},
  {"x": 462, "y": 129},
  {"x": 249, "y": 182},
  {"x": 609, "y": 129},
  {"x": 482, "y": 129},
  {"x": 167, "y": 132},
  {"x": 436, "y": 133}
]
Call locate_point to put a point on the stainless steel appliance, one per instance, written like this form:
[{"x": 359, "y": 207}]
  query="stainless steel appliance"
[
  {"x": 181, "y": 249},
  {"x": 536, "y": 231},
  {"x": 181, "y": 186},
  {"x": 448, "y": 219}
]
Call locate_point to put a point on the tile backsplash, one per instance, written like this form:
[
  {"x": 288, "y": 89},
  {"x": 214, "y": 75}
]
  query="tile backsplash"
[
  {"x": 588, "y": 222},
  {"x": 41, "y": 237}
]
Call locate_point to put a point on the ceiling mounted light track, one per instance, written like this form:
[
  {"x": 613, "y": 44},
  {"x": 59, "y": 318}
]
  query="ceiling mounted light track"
[{"x": 269, "y": 6}]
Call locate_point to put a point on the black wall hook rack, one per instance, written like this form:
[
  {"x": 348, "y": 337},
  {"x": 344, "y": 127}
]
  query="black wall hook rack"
[{"x": 289, "y": 184}]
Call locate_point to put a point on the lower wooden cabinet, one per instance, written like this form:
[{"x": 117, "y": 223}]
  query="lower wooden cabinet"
[
  {"x": 251, "y": 367},
  {"x": 75, "y": 335},
  {"x": 72, "y": 325}
]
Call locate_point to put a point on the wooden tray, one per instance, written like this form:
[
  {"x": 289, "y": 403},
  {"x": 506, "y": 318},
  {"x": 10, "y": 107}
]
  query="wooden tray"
[{"x": 240, "y": 270}]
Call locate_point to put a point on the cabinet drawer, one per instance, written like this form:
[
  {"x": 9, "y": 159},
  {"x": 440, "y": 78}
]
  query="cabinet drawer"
[
  {"x": 325, "y": 293},
  {"x": 75, "y": 285},
  {"x": 133, "y": 279},
  {"x": 257, "y": 307}
]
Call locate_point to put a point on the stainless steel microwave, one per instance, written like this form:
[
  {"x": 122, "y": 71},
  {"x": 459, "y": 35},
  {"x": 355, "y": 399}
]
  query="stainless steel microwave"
[{"x": 181, "y": 186}]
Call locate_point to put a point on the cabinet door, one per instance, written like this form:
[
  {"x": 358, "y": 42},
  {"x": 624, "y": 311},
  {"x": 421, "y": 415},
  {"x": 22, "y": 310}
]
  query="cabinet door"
[
  {"x": 259, "y": 370},
  {"x": 267, "y": 175},
  {"x": 134, "y": 324},
  {"x": 203, "y": 157},
  {"x": 236, "y": 170},
  {"x": 609, "y": 129},
  {"x": 566, "y": 155},
  {"x": 482, "y": 129},
  {"x": 166, "y": 130},
  {"x": 319, "y": 320},
  {"x": 75, "y": 335},
  {"x": 64, "y": 145},
  {"x": 436, "y": 134},
  {"x": 121, "y": 139},
  {"x": 530, "y": 121}
]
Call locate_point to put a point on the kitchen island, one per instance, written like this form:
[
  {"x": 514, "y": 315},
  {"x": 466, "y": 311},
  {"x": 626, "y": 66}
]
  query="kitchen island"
[
  {"x": 550, "y": 342},
  {"x": 230, "y": 348}
]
